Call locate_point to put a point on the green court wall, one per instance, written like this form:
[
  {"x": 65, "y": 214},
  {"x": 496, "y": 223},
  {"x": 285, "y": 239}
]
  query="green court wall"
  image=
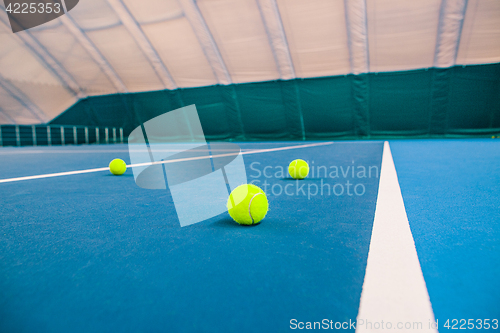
[{"x": 453, "y": 102}]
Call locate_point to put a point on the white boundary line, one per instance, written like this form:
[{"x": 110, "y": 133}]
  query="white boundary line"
[
  {"x": 56, "y": 150},
  {"x": 79, "y": 172},
  {"x": 394, "y": 288}
]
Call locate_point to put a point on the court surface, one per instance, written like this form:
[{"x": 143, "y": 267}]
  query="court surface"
[{"x": 95, "y": 253}]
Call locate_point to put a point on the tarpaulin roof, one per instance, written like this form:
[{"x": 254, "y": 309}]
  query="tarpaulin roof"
[{"x": 118, "y": 46}]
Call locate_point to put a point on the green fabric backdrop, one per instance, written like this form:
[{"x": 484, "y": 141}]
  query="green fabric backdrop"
[{"x": 458, "y": 101}]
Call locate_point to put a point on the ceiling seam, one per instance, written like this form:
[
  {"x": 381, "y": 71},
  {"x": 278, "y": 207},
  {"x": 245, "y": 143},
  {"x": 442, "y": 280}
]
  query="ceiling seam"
[
  {"x": 273, "y": 25},
  {"x": 94, "y": 52},
  {"x": 464, "y": 11},
  {"x": 143, "y": 42},
  {"x": 449, "y": 32},
  {"x": 348, "y": 31},
  {"x": 18, "y": 95},
  {"x": 6, "y": 115},
  {"x": 49, "y": 62},
  {"x": 206, "y": 40},
  {"x": 357, "y": 35}
]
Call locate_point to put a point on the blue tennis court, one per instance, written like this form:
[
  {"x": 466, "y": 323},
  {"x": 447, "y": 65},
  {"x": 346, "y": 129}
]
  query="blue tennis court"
[
  {"x": 241, "y": 166},
  {"x": 94, "y": 252}
]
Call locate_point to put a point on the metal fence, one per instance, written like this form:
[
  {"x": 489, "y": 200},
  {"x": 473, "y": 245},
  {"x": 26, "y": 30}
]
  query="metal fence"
[{"x": 53, "y": 135}]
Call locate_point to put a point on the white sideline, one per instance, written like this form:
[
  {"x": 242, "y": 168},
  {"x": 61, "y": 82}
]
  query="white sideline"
[
  {"x": 78, "y": 172},
  {"x": 394, "y": 289}
]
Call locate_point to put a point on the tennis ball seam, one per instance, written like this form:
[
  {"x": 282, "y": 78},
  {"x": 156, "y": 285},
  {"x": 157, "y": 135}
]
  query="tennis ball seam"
[
  {"x": 250, "y": 207},
  {"x": 296, "y": 171}
]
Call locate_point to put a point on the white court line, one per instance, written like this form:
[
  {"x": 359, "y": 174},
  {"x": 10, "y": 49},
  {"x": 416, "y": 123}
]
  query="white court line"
[
  {"x": 76, "y": 151},
  {"x": 28, "y": 152},
  {"x": 79, "y": 172},
  {"x": 394, "y": 288},
  {"x": 54, "y": 150}
]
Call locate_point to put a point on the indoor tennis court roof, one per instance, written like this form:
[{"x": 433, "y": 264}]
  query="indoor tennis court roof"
[{"x": 117, "y": 46}]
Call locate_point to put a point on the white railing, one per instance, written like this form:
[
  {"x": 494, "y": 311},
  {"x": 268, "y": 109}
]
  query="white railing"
[{"x": 52, "y": 135}]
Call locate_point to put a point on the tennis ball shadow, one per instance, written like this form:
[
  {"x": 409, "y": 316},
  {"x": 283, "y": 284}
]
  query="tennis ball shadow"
[
  {"x": 228, "y": 222},
  {"x": 293, "y": 179},
  {"x": 124, "y": 175},
  {"x": 267, "y": 225}
]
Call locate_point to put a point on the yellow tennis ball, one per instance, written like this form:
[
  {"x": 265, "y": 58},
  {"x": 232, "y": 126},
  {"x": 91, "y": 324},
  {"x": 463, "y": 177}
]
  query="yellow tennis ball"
[
  {"x": 117, "y": 167},
  {"x": 298, "y": 169},
  {"x": 247, "y": 204}
]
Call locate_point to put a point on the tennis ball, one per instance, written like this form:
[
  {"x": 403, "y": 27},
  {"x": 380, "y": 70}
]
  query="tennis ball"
[
  {"x": 117, "y": 167},
  {"x": 298, "y": 169},
  {"x": 247, "y": 204}
]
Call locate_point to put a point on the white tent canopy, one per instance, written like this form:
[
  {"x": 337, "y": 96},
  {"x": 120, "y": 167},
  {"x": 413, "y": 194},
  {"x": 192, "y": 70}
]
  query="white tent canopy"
[{"x": 118, "y": 46}]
